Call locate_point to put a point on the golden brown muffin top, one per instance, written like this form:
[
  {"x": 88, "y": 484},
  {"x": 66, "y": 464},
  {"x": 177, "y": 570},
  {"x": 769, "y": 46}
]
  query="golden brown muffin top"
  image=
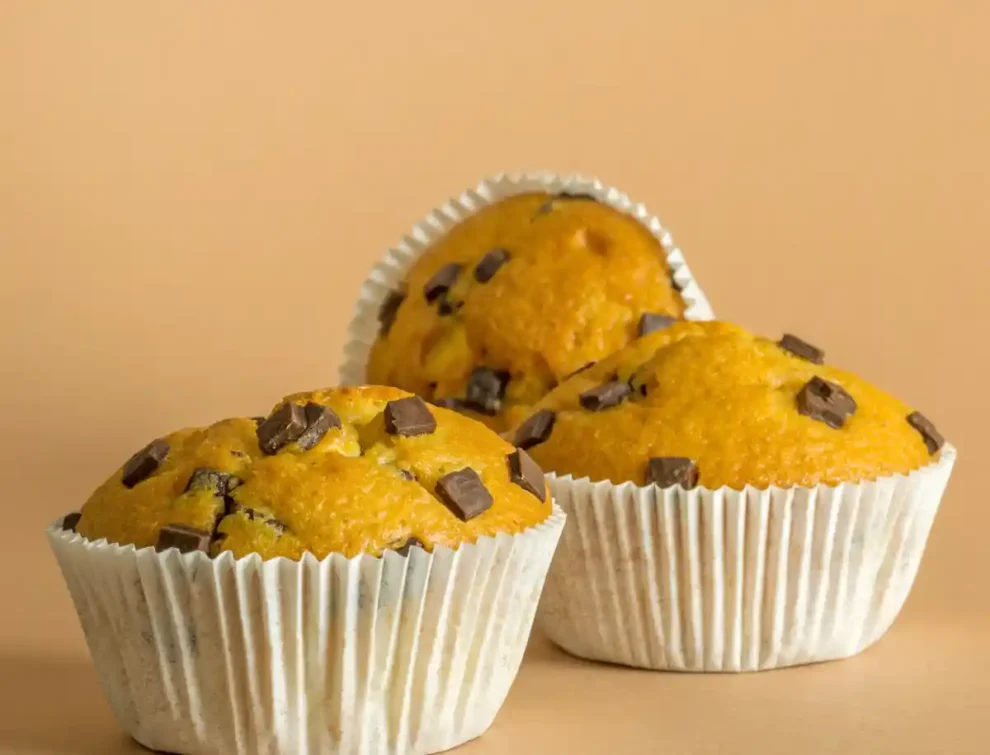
[
  {"x": 345, "y": 470},
  {"x": 517, "y": 297},
  {"x": 709, "y": 403}
]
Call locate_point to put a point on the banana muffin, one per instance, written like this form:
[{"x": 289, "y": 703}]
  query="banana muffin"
[
  {"x": 347, "y": 470},
  {"x": 709, "y": 404},
  {"x": 518, "y": 296}
]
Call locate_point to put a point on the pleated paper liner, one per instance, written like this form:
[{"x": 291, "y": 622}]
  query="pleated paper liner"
[
  {"x": 727, "y": 580},
  {"x": 391, "y": 271},
  {"x": 365, "y": 655}
]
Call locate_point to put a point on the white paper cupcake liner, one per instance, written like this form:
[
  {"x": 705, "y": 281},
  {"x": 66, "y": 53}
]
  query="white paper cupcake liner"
[
  {"x": 366, "y": 655},
  {"x": 391, "y": 271},
  {"x": 727, "y": 580}
]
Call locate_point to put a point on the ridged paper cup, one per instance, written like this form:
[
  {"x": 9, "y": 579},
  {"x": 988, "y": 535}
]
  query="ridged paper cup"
[
  {"x": 365, "y": 655},
  {"x": 391, "y": 271},
  {"x": 728, "y": 580}
]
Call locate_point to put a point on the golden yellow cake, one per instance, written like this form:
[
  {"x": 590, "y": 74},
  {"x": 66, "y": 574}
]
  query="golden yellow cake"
[
  {"x": 707, "y": 403},
  {"x": 347, "y": 470},
  {"x": 515, "y": 298}
]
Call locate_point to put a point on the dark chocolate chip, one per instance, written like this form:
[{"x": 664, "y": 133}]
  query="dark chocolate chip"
[
  {"x": 449, "y": 403},
  {"x": 212, "y": 480},
  {"x": 69, "y": 521},
  {"x": 932, "y": 437},
  {"x": 441, "y": 282},
  {"x": 667, "y": 471},
  {"x": 826, "y": 402},
  {"x": 485, "y": 270},
  {"x": 485, "y": 390},
  {"x": 801, "y": 349},
  {"x": 577, "y": 196},
  {"x": 257, "y": 516},
  {"x": 605, "y": 396},
  {"x": 319, "y": 420},
  {"x": 651, "y": 321},
  {"x": 464, "y": 494},
  {"x": 142, "y": 464},
  {"x": 413, "y": 542},
  {"x": 389, "y": 310},
  {"x": 408, "y": 417},
  {"x": 448, "y": 307},
  {"x": 282, "y": 426},
  {"x": 185, "y": 539},
  {"x": 526, "y": 473},
  {"x": 535, "y": 430},
  {"x": 587, "y": 366}
]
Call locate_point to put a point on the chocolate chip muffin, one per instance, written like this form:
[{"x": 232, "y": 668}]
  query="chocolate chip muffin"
[
  {"x": 735, "y": 504},
  {"x": 518, "y": 296},
  {"x": 707, "y": 403},
  {"x": 349, "y": 471}
]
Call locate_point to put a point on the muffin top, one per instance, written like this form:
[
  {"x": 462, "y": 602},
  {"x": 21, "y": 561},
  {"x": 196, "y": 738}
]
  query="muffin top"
[
  {"x": 346, "y": 470},
  {"x": 518, "y": 296},
  {"x": 709, "y": 403}
]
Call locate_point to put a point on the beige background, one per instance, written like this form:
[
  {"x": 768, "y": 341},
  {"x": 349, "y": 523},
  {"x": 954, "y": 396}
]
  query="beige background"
[{"x": 191, "y": 193}]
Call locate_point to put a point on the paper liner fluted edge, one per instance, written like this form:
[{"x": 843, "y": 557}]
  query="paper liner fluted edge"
[
  {"x": 389, "y": 272},
  {"x": 365, "y": 655},
  {"x": 735, "y": 580}
]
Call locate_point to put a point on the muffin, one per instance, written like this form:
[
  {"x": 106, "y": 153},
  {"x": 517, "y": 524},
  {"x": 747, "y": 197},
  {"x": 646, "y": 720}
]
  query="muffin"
[
  {"x": 527, "y": 285},
  {"x": 321, "y": 579},
  {"x": 736, "y": 504}
]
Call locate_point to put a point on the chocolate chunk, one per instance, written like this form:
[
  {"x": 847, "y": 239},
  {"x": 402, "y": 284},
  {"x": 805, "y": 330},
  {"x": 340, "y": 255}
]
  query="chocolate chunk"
[
  {"x": 651, "y": 321},
  {"x": 526, "y": 473},
  {"x": 485, "y": 390},
  {"x": 69, "y": 521},
  {"x": 282, "y": 426},
  {"x": 448, "y": 307},
  {"x": 413, "y": 542},
  {"x": 932, "y": 437},
  {"x": 186, "y": 539},
  {"x": 605, "y": 396},
  {"x": 667, "y": 471},
  {"x": 389, "y": 310},
  {"x": 464, "y": 494},
  {"x": 801, "y": 349},
  {"x": 408, "y": 417},
  {"x": 217, "y": 482},
  {"x": 581, "y": 369},
  {"x": 825, "y": 401},
  {"x": 449, "y": 403},
  {"x": 489, "y": 265},
  {"x": 535, "y": 430},
  {"x": 319, "y": 420},
  {"x": 142, "y": 464},
  {"x": 441, "y": 282},
  {"x": 258, "y": 516}
]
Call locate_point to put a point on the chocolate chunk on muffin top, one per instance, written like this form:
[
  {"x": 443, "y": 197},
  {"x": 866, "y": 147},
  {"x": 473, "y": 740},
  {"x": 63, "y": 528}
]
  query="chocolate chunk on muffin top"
[
  {"x": 345, "y": 470},
  {"x": 711, "y": 404},
  {"x": 515, "y": 298}
]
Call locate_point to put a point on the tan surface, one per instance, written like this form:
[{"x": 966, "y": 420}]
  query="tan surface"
[{"x": 825, "y": 172}]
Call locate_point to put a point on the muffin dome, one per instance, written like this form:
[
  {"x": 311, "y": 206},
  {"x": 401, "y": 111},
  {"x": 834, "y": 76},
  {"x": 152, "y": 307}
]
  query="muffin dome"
[
  {"x": 709, "y": 403},
  {"x": 347, "y": 470},
  {"x": 515, "y": 298}
]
